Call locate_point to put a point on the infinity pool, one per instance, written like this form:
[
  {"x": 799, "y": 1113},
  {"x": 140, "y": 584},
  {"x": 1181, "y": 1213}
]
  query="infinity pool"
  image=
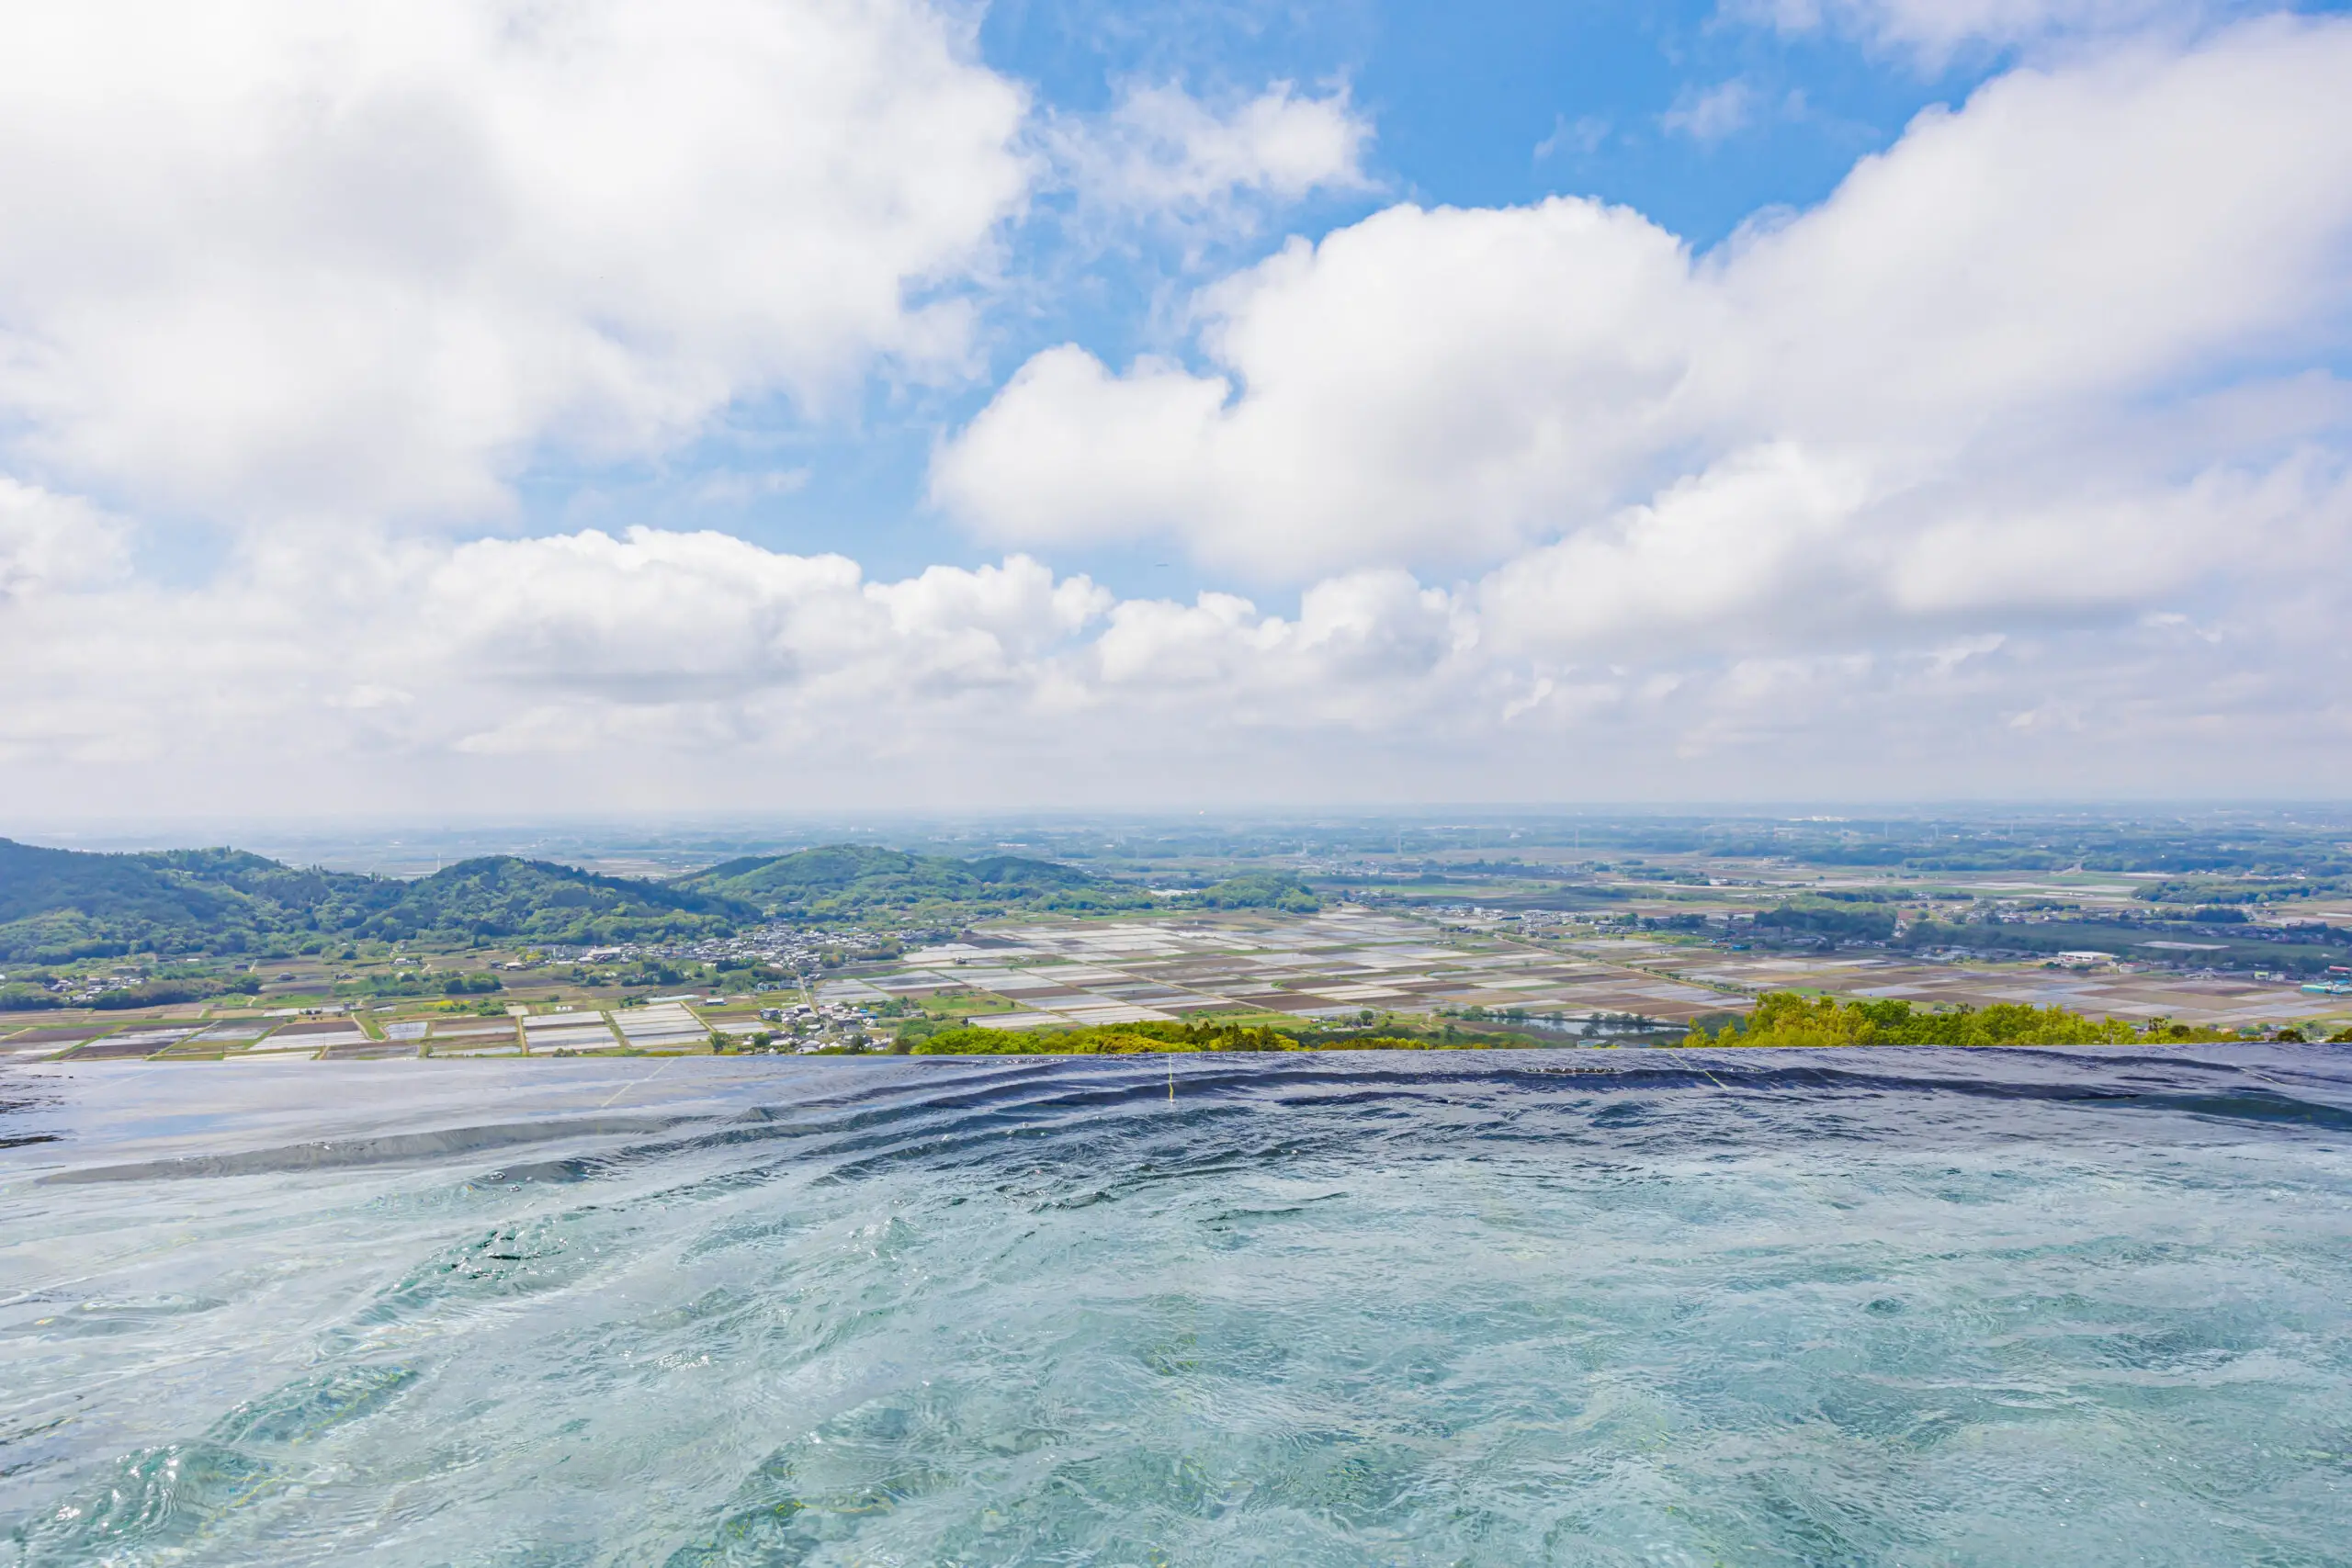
[{"x": 1567, "y": 1307}]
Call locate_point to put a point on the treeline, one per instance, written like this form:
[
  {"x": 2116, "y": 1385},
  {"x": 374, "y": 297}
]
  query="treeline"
[
  {"x": 2222, "y": 935},
  {"x": 1129, "y": 1038},
  {"x": 1786, "y": 1019},
  {"x": 2309, "y": 952},
  {"x": 23, "y": 996},
  {"x": 423, "y": 983},
  {"x": 1779, "y": 1018},
  {"x": 1254, "y": 890},
  {"x": 1838, "y": 922},
  {"x": 2223, "y": 899},
  {"x": 37, "y": 992},
  {"x": 2028, "y": 844}
]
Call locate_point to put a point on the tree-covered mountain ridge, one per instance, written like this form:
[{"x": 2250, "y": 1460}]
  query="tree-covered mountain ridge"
[
  {"x": 857, "y": 881},
  {"x": 57, "y": 905},
  {"x": 60, "y": 905}
]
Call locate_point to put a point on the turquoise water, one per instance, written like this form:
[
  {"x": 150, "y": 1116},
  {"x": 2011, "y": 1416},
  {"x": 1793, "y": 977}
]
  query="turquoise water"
[{"x": 1574, "y": 1307}]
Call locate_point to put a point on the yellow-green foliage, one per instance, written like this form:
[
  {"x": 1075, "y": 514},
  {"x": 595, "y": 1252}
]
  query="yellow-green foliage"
[
  {"x": 1781, "y": 1018},
  {"x": 2163, "y": 1032},
  {"x": 1123, "y": 1039},
  {"x": 1784, "y": 1018}
]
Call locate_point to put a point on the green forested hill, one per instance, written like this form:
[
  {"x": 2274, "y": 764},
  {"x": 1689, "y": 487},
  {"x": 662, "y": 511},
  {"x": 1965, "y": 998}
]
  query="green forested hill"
[
  {"x": 1256, "y": 890},
  {"x": 850, "y": 882},
  {"x": 504, "y": 897},
  {"x": 58, "y": 904}
]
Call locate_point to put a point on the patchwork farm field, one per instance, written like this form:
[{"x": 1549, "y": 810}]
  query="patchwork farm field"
[{"x": 1343, "y": 965}]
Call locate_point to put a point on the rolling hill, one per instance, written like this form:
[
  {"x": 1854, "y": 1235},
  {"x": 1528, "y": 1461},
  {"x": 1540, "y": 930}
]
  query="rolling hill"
[
  {"x": 57, "y": 905},
  {"x": 60, "y": 905},
  {"x": 853, "y": 882},
  {"x": 504, "y": 897}
]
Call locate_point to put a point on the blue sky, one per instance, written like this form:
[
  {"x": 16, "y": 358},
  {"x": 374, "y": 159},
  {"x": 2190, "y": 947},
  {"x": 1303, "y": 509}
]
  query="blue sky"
[
  {"x": 1482, "y": 106},
  {"x": 1488, "y": 105},
  {"x": 458, "y": 406}
]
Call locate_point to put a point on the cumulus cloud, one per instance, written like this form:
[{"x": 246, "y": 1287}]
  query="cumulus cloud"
[
  {"x": 2056, "y": 355},
  {"x": 582, "y": 642},
  {"x": 2022, "y": 456},
  {"x": 598, "y": 671},
  {"x": 1161, "y": 151},
  {"x": 51, "y": 542},
  {"x": 1934, "y": 30},
  {"x": 652, "y": 627},
  {"x": 1366, "y": 648},
  {"x": 271, "y": 260},
  {"x": 1726, "y": 550},
  {"x": 1424, "y": 384}
]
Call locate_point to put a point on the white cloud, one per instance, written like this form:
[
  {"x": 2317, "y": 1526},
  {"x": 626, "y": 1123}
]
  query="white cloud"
[
  {"x": 1369, "y": 648},
  {"x": 1163, "y": 152},
  {"x": 1708, "y": 116},
  {"x": 2019, "y": 459},
  {"x": 2057, "y": 354},
  {"x": 1935, "y": 29},
  {"x": 51, "y": 542},
  {"x": 1581, "y": 136},
  {"x": 652, "y": 620},
  {"x": 414, "y": 652},
  {"x": 598, "y": 671},
  {"x": 270, "y": 259},
  {"x": 2226, "y": 529},
  {"x": 1722, "y": 553},
  {"x": 1393, "y": 394}
]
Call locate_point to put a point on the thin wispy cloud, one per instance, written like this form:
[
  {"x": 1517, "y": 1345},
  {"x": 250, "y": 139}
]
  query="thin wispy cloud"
[
  {"x": 1711, "y": 114},
  {"x": 1581, "y": 136}
]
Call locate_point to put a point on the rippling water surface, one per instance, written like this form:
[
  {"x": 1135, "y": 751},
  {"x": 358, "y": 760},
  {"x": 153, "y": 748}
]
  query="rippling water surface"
[{"x": 1588, "y": 1307}]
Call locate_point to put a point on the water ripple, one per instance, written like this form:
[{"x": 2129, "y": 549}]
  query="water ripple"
[{"x": 1578, "y": 1306}]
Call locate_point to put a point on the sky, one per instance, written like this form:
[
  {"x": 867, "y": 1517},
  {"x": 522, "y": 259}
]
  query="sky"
[{"x": 457, "y": 408}]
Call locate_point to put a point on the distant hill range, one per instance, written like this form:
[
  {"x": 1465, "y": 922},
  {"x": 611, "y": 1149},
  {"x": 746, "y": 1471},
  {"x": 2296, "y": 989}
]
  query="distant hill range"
[
  {"x": 853, "y": 882},
  {"x": 60, "y": 905}
]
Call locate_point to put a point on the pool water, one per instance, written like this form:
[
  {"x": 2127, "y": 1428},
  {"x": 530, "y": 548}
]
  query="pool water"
[{"x": 1566, "y": 1306}]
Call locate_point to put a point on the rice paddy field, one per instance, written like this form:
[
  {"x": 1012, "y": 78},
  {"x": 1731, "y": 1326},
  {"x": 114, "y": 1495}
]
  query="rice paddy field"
[{"x": 1337, "y": 964}]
